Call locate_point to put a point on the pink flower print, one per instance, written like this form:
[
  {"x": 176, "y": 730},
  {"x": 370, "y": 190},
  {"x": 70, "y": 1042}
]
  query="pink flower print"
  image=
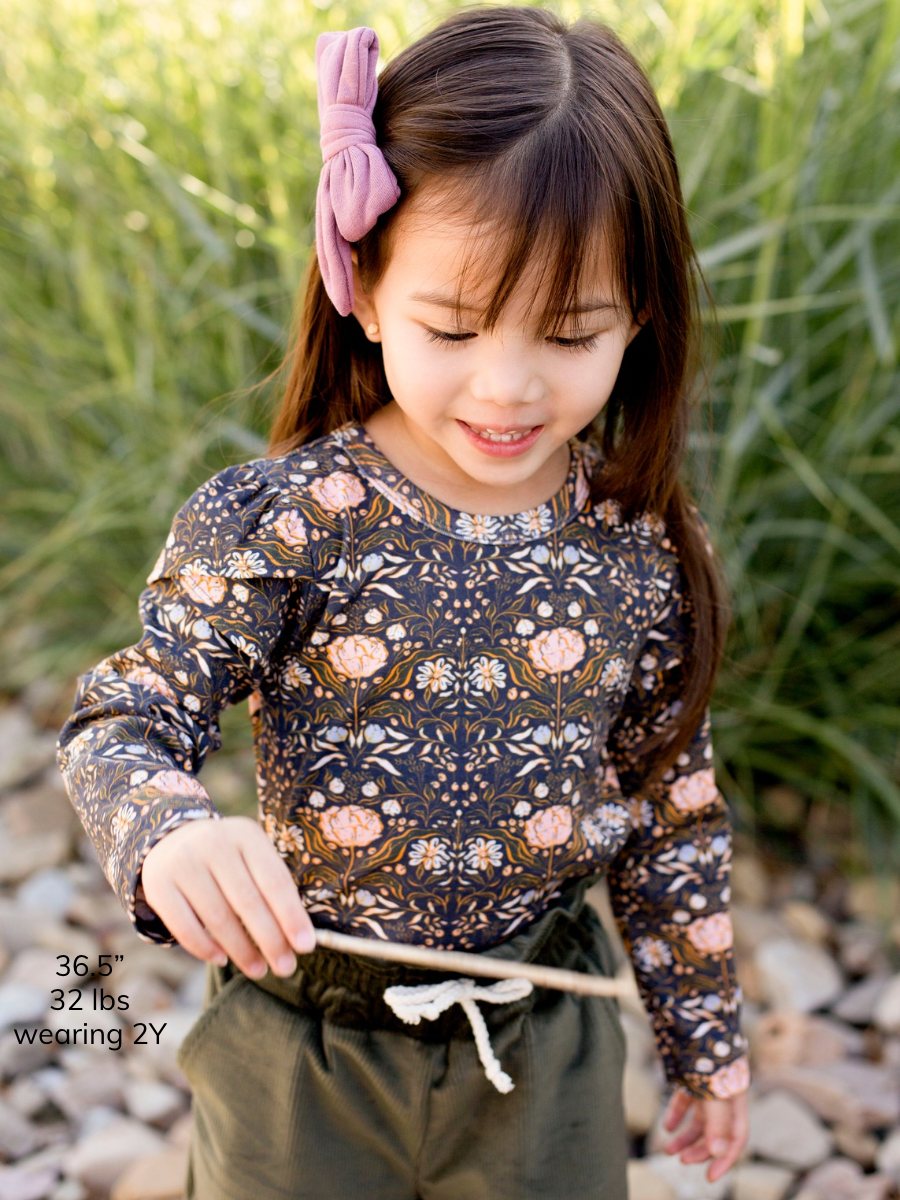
[
  {"x": 731, "y": 1079},
  {"x": 550, "y": 827},
  {"x": 712, "y": 934},
  {"x": 175, "y": 783},
  {"x": 290, "y": 528},
  {"x": 557, "y": 650},
  {"x": 547, "y": 829},
  {"x": 350, "y": 825},
  {"x": 690, "y": 792},
  {"x": 150, "y": 679},
  {"x": 338, "y": 490},
  {"x": 204, "y": 589},
  {"x": 357, "y": 655}
]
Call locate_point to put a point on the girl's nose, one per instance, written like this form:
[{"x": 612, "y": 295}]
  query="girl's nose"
[{"x": 506, "y": 376}]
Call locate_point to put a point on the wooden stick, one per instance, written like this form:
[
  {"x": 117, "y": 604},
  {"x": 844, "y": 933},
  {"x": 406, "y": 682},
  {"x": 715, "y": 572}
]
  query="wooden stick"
[{"x": 462, "y": 963}]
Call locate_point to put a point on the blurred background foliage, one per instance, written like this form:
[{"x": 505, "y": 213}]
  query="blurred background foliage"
[{"x": 158, "y": 165}]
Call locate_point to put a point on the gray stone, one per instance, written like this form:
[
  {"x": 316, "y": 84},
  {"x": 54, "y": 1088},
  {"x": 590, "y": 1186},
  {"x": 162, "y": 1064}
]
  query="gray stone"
[
  {"x": 20, "y": 856},
  {"x": 797, "y": 974},
  {"x": 18, "y": 926},
  {"x": 49, "y": 890},
  {"x": 40, "y": 808},
  {"x": 88, "y": 1083},
  {"x": 857, "y": 1004},
  {"x": 101, "y": 1157},
  {"x": 688, "y": 1180},
  {"x": 842, "y": 1179},
  {"x": 68, "y": 1189},
  {"x": 16, "y": 1059},
  {"x": 887, "y": 1157},
  {"x": 37, "y": 967},
  {"x": 861, "y": 949},
  {"x": 886, "y": 1013},
  {"x": 25, "y": 1096},
  {"x": 24, "y": 751},
  {"x": 761, "y": 1181},
  {"x": 872, "y": 1090},
  {"x": 26, "y": 1183},
  {"x": 18, "y": 1136},
  {"x": 64, "y": 939},
  {"x": 645, "y": 1184},
  {"x": 32, "y": 1178},
  {"x": 785, "y": 1130},
  {"x": 152, "y": 1101},
  {"x": 21, "y": 1003}
]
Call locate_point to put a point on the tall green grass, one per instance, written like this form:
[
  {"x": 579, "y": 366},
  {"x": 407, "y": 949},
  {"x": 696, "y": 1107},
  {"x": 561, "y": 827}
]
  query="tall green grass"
[{"x": 158, "y": 165}]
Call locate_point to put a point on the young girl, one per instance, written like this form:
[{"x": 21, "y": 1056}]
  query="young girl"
[{"x": 478, "y": 621}]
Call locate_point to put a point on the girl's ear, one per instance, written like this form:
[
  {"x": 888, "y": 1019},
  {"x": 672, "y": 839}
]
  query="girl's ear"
[
  {"x": 636, "y": 326},
  {"x": 363, "y": 308}
]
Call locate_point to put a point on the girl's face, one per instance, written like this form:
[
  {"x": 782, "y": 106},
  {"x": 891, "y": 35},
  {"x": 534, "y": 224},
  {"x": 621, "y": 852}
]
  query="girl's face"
[{"x": 448, "y": 379}]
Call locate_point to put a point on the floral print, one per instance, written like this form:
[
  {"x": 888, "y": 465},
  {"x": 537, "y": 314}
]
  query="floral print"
[{"x": 445, "y": 707}]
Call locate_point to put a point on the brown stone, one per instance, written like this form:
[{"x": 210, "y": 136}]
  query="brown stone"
[{"x": 157, "y": 1177}]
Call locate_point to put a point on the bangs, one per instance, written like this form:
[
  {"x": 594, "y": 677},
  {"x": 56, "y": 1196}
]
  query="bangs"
[{"x": 535, "y": 208}]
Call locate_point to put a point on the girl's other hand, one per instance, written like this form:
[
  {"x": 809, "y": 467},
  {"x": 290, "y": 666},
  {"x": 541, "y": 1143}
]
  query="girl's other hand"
[
  {"x": 214, "y": 882},
  {"x": 717, "y": 1129}
]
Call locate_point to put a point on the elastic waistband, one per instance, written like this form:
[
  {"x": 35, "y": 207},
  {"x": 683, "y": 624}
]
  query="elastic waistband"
[{"x": 348, "y": 989}]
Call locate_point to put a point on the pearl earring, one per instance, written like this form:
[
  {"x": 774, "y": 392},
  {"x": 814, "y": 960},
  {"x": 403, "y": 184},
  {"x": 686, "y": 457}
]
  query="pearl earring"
[{"x": 372, "y": 328}]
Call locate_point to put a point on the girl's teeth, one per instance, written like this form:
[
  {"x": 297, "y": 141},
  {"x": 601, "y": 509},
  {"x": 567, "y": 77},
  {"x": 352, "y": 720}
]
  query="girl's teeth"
[{"x": 500, "y": 437}]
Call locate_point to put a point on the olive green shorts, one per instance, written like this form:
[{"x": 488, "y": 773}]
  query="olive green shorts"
[{"x": 310, "y": 1088}]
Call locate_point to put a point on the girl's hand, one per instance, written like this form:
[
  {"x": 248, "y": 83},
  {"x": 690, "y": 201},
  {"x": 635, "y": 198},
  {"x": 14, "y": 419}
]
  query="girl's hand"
[
  {"x": 712, "y": 1122},
  {"x": 206, "y": 877}
]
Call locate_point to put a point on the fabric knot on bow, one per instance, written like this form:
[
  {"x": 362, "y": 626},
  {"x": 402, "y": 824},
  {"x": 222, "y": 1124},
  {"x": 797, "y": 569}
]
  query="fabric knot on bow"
[
  {"x": 356, "y": 184},
  {"x": 429, "y": 1000}
]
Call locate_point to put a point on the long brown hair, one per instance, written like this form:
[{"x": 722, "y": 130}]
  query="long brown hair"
[{"x": 553, "y": 133}]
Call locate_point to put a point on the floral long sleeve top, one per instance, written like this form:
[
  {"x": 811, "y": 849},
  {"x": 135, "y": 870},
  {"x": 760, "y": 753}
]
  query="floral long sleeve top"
[{"x": 444, "y": 707}]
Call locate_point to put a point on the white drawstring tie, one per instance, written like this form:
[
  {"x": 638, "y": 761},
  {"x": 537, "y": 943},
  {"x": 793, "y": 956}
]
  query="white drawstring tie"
[{"x": 429, "y": 1000}]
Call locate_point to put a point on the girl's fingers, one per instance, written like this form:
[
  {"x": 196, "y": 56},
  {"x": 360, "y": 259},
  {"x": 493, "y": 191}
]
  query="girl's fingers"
[
  {"x": 213, "y": 908},
  {"x": 272, "y": 877},
  {"x": 737, "y": 1140},
  {"x": 243, "y": 894},
  {"x": 687, "y": 1137},
  {"x": 182, "y": 922},
  {"x": 679, "y": 1103}
]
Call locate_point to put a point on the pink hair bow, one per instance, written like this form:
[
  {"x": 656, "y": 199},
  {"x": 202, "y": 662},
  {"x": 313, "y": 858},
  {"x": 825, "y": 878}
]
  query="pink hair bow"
[{"x": 356, "y": 185}]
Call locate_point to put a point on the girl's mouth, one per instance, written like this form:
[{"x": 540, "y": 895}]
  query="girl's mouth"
[{"x": 498, "y": 448}]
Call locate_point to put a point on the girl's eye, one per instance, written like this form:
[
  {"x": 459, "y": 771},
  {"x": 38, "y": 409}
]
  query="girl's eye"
[
  {"x": 435, "y": 335},
  {"x": 585, "y": 343}
]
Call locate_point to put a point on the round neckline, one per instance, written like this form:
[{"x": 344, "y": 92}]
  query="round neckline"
[{"x": 528, "y": 525}]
